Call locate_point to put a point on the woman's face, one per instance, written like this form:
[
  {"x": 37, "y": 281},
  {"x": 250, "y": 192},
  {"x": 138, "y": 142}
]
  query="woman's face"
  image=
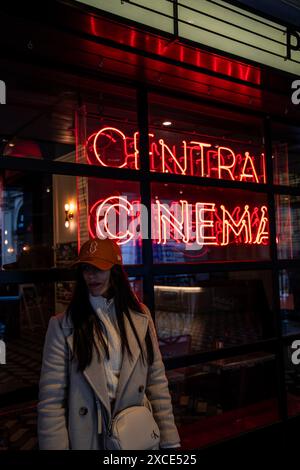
[{"x": 97, "y": 280}]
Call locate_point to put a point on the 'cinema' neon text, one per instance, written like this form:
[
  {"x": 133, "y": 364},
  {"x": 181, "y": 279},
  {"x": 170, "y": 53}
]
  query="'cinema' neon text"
[{"x": 198, "y": 223}]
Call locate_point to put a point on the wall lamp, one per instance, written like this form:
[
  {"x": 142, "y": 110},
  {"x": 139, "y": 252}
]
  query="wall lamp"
[{"x": 69, "y": 214}]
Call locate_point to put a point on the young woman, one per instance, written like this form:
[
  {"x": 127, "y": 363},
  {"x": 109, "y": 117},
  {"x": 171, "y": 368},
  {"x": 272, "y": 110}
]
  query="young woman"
[{"x": 100, "y": 357}]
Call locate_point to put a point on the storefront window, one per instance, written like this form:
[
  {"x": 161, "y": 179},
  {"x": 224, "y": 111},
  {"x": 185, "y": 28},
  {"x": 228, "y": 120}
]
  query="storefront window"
[
  {"x": 223, "y": 398},
  {"x": 286, "y": 150},
  {"x": 188, "y": 139},
  {"x": 288, "y": 226},
  {"x": 202, "y": 312},
  {"x": 45, "y": 219},
  {"x": 193, "y": 224}
]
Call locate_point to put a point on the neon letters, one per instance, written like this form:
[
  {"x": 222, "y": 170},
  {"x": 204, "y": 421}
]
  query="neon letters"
[
  {"x": 198, "y": 224},
  {"x": 111, "y": 147}
]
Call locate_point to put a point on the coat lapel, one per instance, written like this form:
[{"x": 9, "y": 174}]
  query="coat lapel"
[
  {"x": 140, "y": 322},
  {"x": 94, "y": 373}
]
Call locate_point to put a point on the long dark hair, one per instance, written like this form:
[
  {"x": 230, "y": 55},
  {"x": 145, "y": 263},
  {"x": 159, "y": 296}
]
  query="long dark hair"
[{"x": 86, "y": 322}]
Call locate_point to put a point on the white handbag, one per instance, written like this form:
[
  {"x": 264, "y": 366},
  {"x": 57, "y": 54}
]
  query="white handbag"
[{"x": 133, "y": 428}]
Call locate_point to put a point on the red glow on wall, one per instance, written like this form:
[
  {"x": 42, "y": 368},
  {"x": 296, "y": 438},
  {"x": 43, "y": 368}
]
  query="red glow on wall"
[
  {"x": 111, "y": 147},
  {"x": 23, "y": 148}
]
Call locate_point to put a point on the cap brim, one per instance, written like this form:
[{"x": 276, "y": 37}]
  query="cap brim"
[{"x": 98, "y": 263}]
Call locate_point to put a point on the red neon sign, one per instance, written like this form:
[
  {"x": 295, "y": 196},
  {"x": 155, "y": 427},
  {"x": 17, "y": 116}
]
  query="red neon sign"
[
  {"x": 111, "y": 147},
  {"x": 199, "y": 224}
]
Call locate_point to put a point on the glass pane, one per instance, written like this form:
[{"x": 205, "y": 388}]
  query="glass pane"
[
  {"x": 223, "y": 398},
  {"x": 65, "y": 131},
  {"x": 26, "y": 220},
  {"x": 110, "y": 208},
  {"x": 43, "y": 220},
  {"x": 190, "y": 139},
  {"x": 137, "y": 287},
  {"x": 288, "y": 226},
  {"x": 201, "y": 312},
  {"x": 25, "y": 312},
  {"x": 38, "y": 120},
  {"x": 194, "y": 223},
  {"x": 289, "y": 282},
  {"x": 106, "y": 129},
  {"x": 286, "y": 151}
]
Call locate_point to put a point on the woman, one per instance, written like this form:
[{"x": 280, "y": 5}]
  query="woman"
[{"x": 100, "y": 357}]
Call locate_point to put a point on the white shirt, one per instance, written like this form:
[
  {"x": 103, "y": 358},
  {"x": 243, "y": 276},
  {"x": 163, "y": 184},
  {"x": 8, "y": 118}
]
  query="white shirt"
[{"x": 105, "y": 310}]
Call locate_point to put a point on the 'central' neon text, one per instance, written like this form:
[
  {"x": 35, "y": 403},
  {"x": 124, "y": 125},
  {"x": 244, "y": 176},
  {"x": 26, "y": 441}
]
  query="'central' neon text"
[{"x": 111, "y": 147}]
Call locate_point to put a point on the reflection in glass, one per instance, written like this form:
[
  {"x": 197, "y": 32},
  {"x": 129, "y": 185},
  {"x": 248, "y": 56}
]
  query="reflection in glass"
[
  {"x": 106, "y": 129},
  {"x": 286, "y": 149},
  {"x": 25, "y": 220},
  {"x": 43, "y": 221},
  {"x": 288, "y": 226},
  {"x": 200, "y": 312},
  {"x": 289, "y": 284},
  {"x": 222, "y": 398},
  {"x": 25, "y": 310},
  {"x": 204, "y": 141}
]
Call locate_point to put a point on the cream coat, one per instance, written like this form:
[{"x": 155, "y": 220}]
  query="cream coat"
[{"x": 71, "y": 402}]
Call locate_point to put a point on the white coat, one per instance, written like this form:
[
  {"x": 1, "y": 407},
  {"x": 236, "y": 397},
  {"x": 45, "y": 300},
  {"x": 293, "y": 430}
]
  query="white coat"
[{"x": 71, "y": 402}]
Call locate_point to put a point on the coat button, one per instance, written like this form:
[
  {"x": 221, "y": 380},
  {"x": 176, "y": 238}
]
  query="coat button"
[
  {"x": 83, "y": 411},
  {"x": 141, "y": 388}
]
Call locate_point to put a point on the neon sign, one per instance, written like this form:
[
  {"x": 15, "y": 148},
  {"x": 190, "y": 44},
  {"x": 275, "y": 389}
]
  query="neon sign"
[
  {"x": 197, "y": 225},
  {"x": 111, "y": 147}
]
